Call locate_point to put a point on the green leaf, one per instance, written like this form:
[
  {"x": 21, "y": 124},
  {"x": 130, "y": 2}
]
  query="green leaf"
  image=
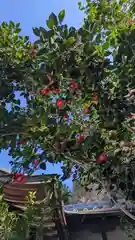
[
  {"x": 61, "y": 16},
  {"x": 4, "y": 24},
  {"x": 52, "y": 21},
  {"x": 44, "y": 32},
  {"x": 43, "y": 166},
  {"x": 36, "y": 31},
  {"x": 41, "y": 51},
  {"x": 108, "y": 53},
  {"x": 37, "y": 42},
  {"x": 98, "y": 38},
  {"x": 17, "y": 30},
  {"x": 17, "y": 108},
  {"x": 17, "y": 25},
  {"x": 11, "y": 25},
  {"x": 17, "y": 101},
  {"x": 19, "y": 54},
  {"x": 69, "y": 41},
  {"x": 106, "y": 45},
  {"x": 79, "y": 4},
  {"x": 26, "y": 38},
  {"x": 72, "y": 32}
]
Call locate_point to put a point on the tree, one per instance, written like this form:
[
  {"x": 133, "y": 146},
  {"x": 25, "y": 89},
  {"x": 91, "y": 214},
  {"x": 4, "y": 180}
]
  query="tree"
[{"x": 76, "y": 84}]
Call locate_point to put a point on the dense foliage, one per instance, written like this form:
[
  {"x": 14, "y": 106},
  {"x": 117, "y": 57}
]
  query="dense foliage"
[
  {"x": 15, "y": 225},
  {"x": 76, "y": 88}
]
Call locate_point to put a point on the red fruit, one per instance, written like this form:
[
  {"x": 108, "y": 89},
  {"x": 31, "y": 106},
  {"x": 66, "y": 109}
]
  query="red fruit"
[
  {"x": 74, "y": 85},
  {"x": 32, "y": 52},
  {"x": 130, "y": 115},
  {"x": 44, "y": 92},
  {"x": 20, "y": 178},
  {"x": 36, "y": 162},
  {"x": 52, "y": 89},
  {"x": 102, "y": 158},
  {"x": 60, "y": 103},
  {"x": 22, "y": 141},
  {"x": 65, "y": 115},
  {"x": 57, "y": 91},
  {"x": 80, "y": 139}
]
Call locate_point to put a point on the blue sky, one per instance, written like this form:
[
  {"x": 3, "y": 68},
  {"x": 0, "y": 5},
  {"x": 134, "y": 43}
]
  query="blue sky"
[{"x": 34, "y": 13}]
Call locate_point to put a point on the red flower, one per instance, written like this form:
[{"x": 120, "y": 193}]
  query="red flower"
[
  {"x": 32, "y": 52},
  {"x": 60, "y": 103},
  {"x": 102, "y": 158},
  {"x": 22, "y": 141},
  {"x": 65, "y": 115},
  {"x": 44, "y": 92},
  {"x": 36, "y": 162},
  {"x": 80, "y": 139},
  {"x": 20, "y": 178},
  {"x": 57, "y": 91},
  {"x": 74, "y": 85}
]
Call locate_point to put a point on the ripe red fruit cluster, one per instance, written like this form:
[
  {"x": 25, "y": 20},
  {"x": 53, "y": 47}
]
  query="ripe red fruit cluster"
[
  {"x": 102, "y": 158},
  {"x": 46, "y": 91},
  {"x": 57, "y": 91},
  {"x": 19, "y": 178},
  {"x": 73, "y": 85},
  {"x": 60, "y": 103},
  {"x": 65, "y": 115},
  {"x": 32, "y": 52},
  {"x": 80, "y": 139},
  {"x": 22, "y": 141}
]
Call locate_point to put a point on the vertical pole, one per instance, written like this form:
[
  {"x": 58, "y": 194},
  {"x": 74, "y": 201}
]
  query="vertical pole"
[
  {"x": 103, "y": 233},
  {"x": 104, "y": 236}
]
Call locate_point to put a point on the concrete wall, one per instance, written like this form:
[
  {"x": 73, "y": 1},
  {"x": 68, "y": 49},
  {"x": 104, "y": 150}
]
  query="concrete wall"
[{"x": 88, "y": 235}]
